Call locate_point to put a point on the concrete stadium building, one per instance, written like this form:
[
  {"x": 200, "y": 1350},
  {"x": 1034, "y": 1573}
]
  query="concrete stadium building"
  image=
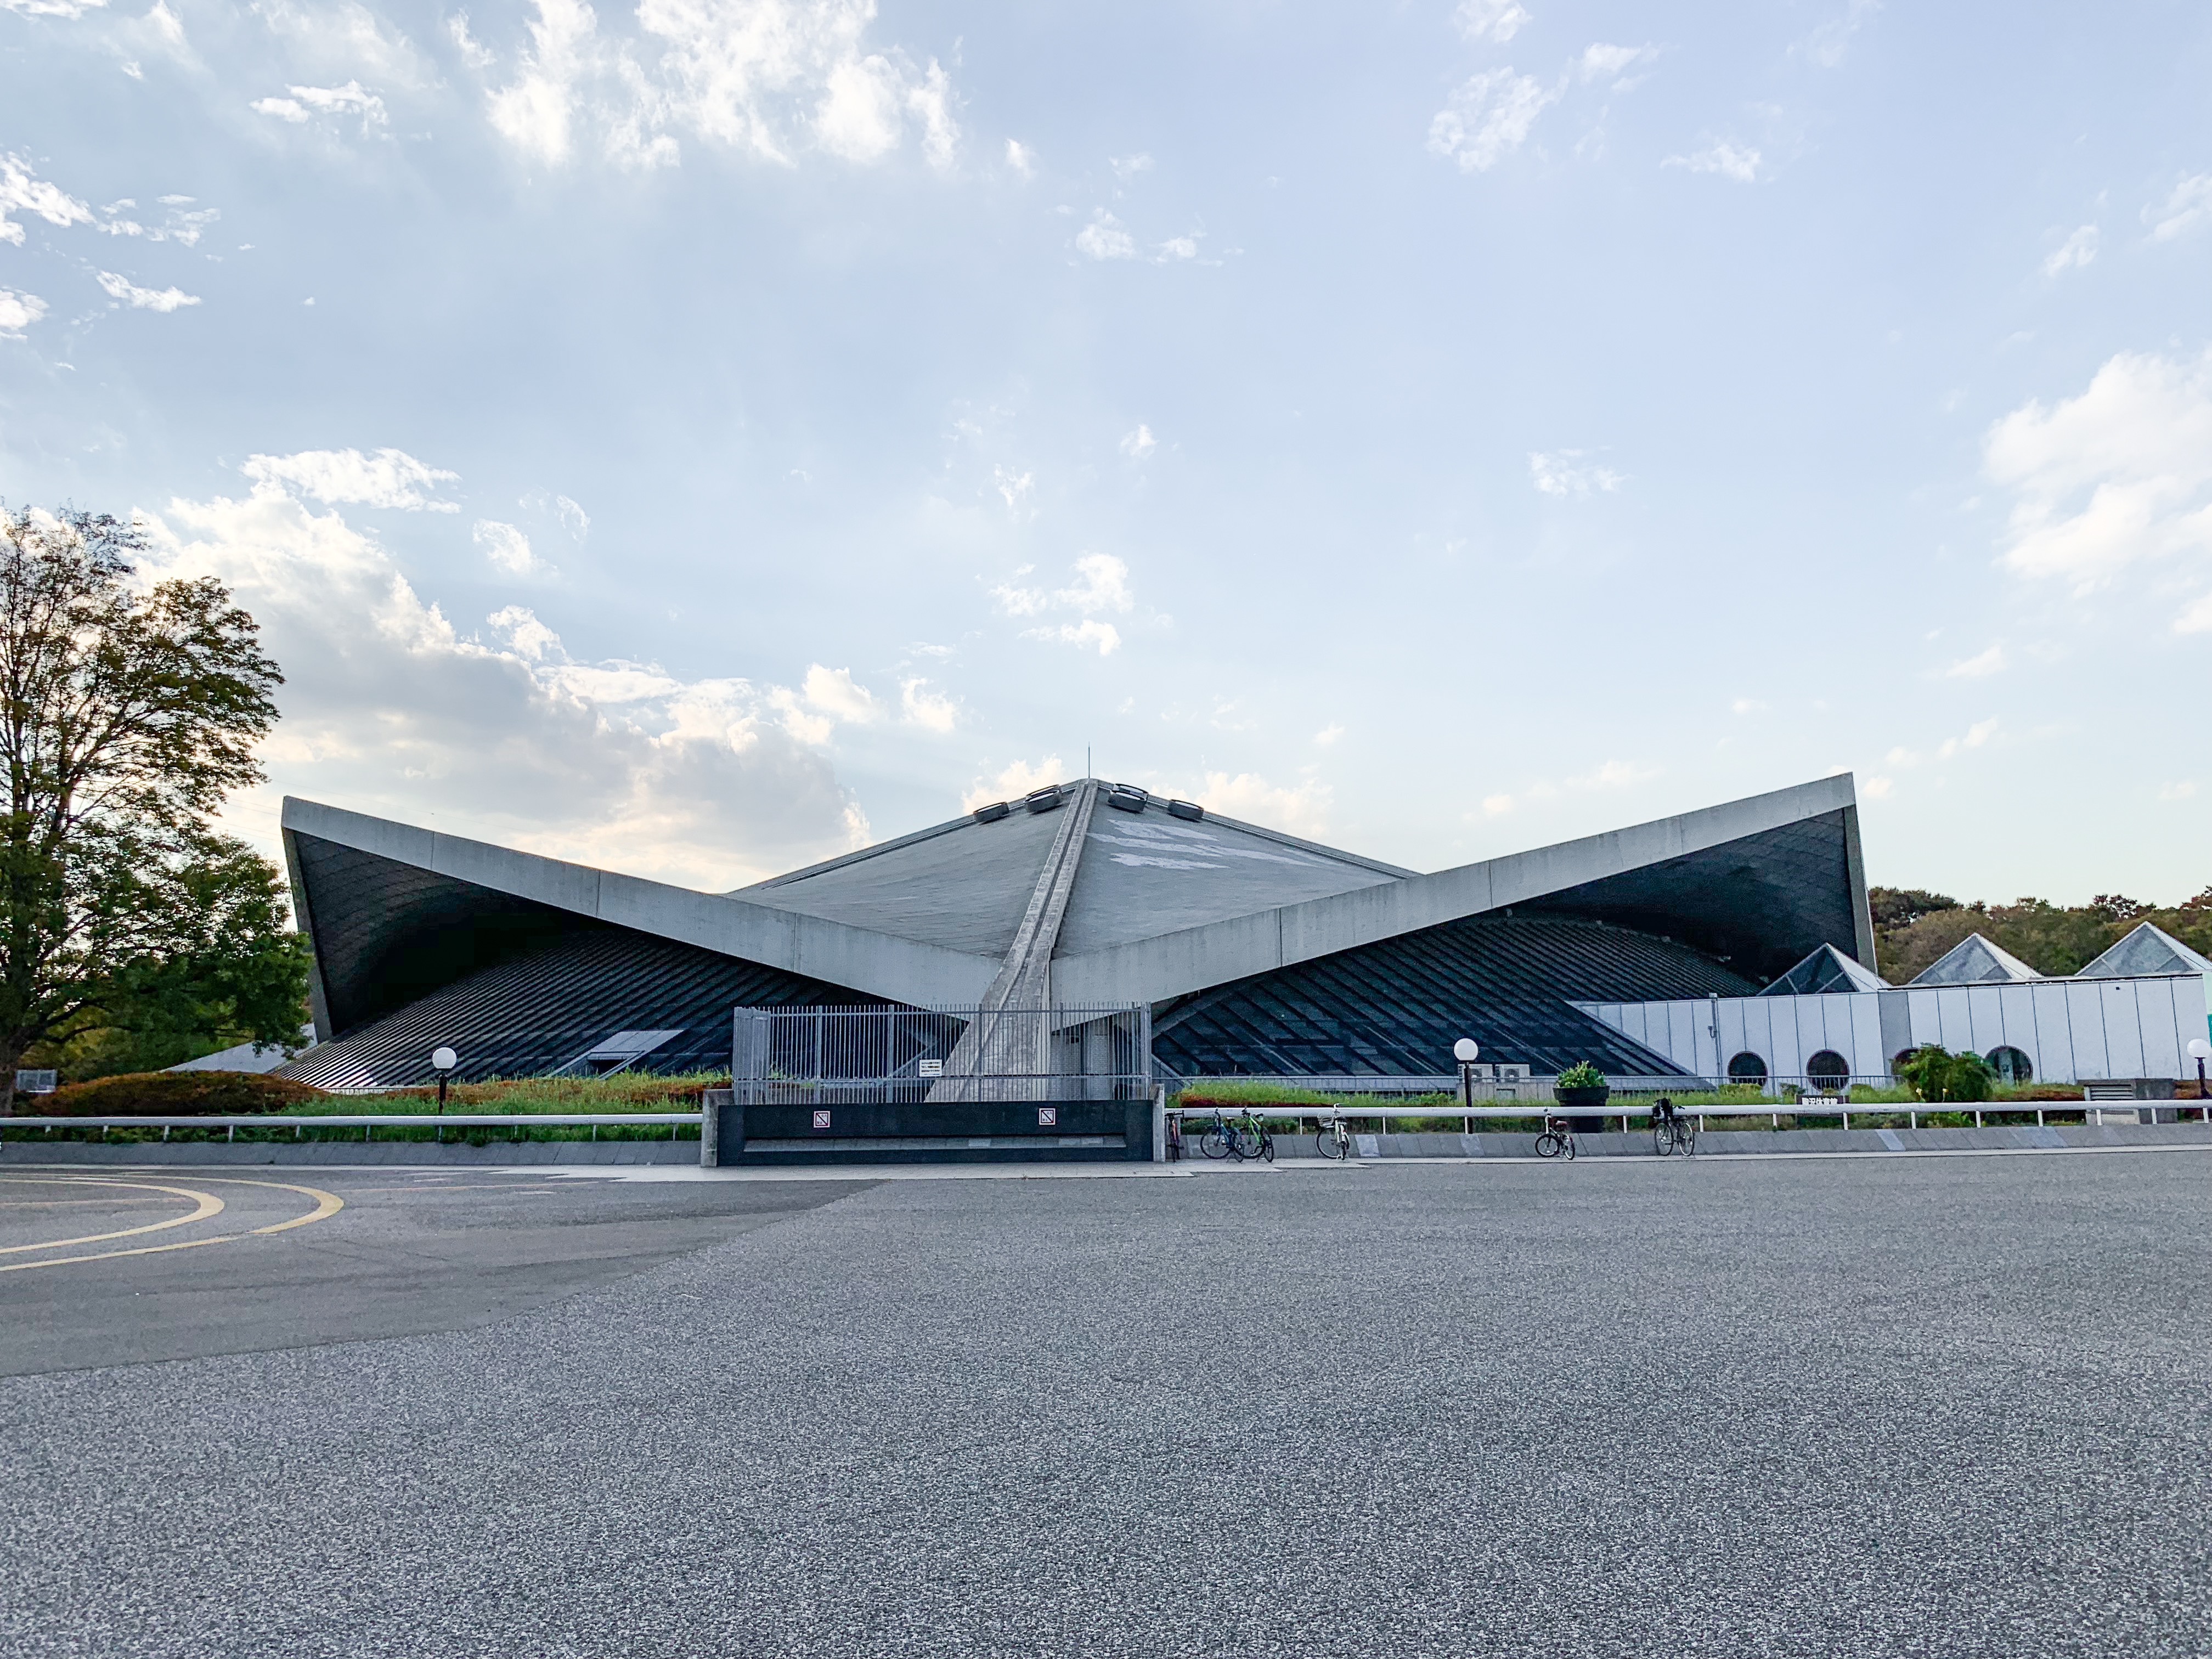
[{"x": 1252, "y": 952}]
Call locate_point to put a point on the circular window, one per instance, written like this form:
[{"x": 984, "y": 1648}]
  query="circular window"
[
  {"x": 2012, "y": 1066},
  {"x": 1747, "y": 1067},
  {"x": 1827, "y": 1071}
]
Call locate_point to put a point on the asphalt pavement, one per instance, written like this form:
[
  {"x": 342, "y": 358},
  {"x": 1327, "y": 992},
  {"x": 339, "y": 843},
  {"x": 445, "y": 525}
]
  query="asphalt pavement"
[{"x": 1923, "y": 1406}]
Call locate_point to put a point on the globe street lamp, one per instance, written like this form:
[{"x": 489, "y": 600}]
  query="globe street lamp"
[
  {"x": 443, "y": 1061},
  {"x": 1465, "y": 1052}
]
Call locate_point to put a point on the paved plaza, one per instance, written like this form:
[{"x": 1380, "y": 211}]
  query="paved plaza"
[{"x": 1819, "y": 1406}]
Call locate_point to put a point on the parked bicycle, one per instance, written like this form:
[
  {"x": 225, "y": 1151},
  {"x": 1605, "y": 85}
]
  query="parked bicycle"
[
  {"x": 1332, "y": 1139},
  {"x": 1671, "y": 1132},
  {"x": 1557, "y": 1140},
  {"x": 1252, "y": 1139},
  {"x": 1241, "y": 1137}
]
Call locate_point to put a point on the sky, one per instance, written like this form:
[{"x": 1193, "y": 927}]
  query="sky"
[{"x": 701, "y": 438}]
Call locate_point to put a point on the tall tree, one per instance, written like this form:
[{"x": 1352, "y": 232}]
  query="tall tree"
[{"x": 127, "y": 714}]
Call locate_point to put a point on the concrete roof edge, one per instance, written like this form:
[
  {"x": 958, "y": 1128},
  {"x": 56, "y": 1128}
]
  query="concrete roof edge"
[
  {"x": 881, "y": 964},
  {"x": 1174, "y": 965}
]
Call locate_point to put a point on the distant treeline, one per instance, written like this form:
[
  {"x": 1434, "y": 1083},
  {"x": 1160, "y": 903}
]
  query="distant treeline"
[{"x": 1912, "y": 928}]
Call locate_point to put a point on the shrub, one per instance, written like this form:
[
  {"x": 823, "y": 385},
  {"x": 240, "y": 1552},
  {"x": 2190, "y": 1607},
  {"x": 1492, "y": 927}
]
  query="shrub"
[
  {"x": 175, "y": 1094},
  {"x": 1582, "y": 1075},
  {"x": 1935, "y": 1074}
]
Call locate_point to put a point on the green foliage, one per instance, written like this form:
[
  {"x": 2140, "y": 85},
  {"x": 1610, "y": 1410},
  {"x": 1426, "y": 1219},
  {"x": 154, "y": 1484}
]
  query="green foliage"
[
  {"x": 127, "y": 715},
  {"x": 1913, "y": 929},
  {"x": 183, "y": 1094},
  {"x": 1583, "y": 1075},
  {"x": 1934, "y": 1073}
]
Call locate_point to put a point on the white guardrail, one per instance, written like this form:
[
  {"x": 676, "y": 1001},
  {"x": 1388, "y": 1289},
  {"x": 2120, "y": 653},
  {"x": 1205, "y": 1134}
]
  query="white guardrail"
[
  {"x": 367, "y": 1123},
  {"x": 1813, "y": 1106}
]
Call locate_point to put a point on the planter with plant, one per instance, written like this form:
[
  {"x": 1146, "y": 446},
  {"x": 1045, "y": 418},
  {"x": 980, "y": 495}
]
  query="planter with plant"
[{"x": 1583, "y": 1088}]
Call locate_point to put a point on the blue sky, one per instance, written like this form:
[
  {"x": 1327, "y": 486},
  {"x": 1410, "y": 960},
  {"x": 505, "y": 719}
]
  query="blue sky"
[{"x": 696, "y": 438}]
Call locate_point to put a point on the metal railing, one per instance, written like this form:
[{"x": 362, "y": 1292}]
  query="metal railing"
[
  {"x": 1912, "y": 1111},
  {"x": 367, "y": 1123}
]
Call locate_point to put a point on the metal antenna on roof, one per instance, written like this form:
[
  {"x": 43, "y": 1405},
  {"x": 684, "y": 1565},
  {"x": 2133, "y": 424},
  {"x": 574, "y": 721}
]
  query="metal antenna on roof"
[{"x": 1086, "y": 760}]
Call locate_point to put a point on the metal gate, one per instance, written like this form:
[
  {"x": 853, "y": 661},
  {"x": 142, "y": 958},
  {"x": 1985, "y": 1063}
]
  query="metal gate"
[{"x": 810, "y": 1085}]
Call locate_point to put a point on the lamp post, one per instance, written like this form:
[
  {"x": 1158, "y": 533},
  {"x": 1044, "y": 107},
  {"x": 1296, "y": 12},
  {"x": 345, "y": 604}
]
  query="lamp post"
[
  {"x": 2200, "y": 1051},
  {"x": 1466, "y": 1051},
  {"x": 443, "y": 1061}
]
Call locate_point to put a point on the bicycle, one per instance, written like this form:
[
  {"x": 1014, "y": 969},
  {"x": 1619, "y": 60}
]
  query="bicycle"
[
  {"x": 1217, "y": 1139},
  {"x": 1556, "y": 1139},
  {"x": 1252, "y": 1138},
  {"x": 1672, "y": 1133},
  {"x": 1332, "y": 1139}
]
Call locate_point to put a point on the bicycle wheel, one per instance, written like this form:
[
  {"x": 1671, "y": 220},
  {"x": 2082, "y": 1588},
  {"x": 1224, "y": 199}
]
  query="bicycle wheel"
[
  {"x": 1217, "y": 1142},
  {"x": 1570, "y": 1139},
  {"x": 1549, "y": 1145},
  {"x": 1266, "y": 1146},
  {"x": 1328, "y": 1146},
  {"x": 1662, "y": 1141}
]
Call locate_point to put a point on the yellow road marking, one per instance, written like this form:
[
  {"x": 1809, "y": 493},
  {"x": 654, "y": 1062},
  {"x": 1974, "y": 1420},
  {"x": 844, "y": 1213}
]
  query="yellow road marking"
[
  {"x": 208, "y": 1202},
  {"x": 327, "y": 1205}
]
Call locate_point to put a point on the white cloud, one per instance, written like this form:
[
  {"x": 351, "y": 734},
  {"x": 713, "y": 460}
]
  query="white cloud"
[
  {"x": 23, "y": 192},
  {"x": 351, "y": 99},
  {"x": 1977, "y": 736},
  {"x": 18, "y": 312},
  {"x": 2118, "y": 476},
  {"x": 770, "y": 77},
  {"x": 1021, "y": 158},
  {"x": 1559, "y": 474},
  {"x": 1490, "y": 114},
  {"x": 123, "y": 291},
  {"x": 1102, "y": 583},
  {"x": 389, "y": 478},
  {"x": 1877, "y": 788},
  {"x": 390, "y": 709},
  {"x": 1829, "y": 44},
  {"x": 177, "y": 225},
  {"x": 507, "y": 547},
  {"x": 1612, "y": 774},
  {"x": 2189, "y": 206},
  {"x": 1139, "y": 444},
  {"x": 1016, "y": 488},
  {"x": 1490, "y": 19},
  {"x": 68, "y": 9},
  {"x": 2076, "y": 251},
  {"x": 1991, "y": 661},
  {"x": 1017, "y": 780},
  {"x": 1178, "y": 247},
  {"x": 1020, "y": 601},
  {"x": 1724, "y": 156},
  {"x": 1602, "y": 62},
  {"x": 1104, "y": 239},
  {"x": 1126, "y": 168},
  {"x": 835, "y": 692},
  {"x": 1302, "y": 811},
  {"x": 2198, "y": 619},
  {"x": 1082, "y": 635},
  {"x": 2185, "y": 790},
  {"x": 1747, "y": 705},
  {"x": 1328, "y": 734},
  {"x": 918, "y": 706}
]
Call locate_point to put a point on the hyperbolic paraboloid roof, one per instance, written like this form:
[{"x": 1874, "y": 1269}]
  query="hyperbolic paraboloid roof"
[{"x": 1084, "y": 895}]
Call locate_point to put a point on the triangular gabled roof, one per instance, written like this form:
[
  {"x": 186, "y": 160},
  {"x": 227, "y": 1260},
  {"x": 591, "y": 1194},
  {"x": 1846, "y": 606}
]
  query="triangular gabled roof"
[
  {"x": 2148, "y": 950},
  {"x": 1974, "y": 961},
  {"x": 1825, "y": 969}
]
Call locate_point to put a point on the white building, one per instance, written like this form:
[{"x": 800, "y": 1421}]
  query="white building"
[{"x": 1830, "y": 1021}]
